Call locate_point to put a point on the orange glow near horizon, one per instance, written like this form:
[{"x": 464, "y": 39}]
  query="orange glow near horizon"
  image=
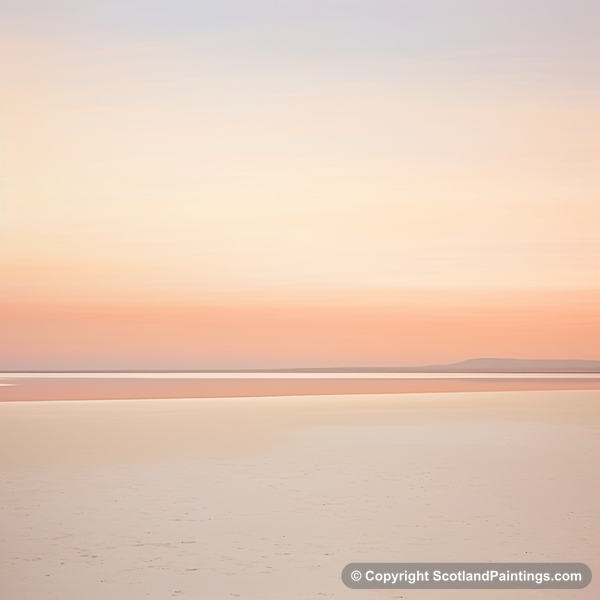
[{"x": 279, "y": 334}]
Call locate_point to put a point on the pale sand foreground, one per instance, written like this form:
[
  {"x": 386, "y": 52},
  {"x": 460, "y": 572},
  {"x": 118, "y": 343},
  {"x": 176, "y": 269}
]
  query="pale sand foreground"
[{"x": 271, "y": 498}]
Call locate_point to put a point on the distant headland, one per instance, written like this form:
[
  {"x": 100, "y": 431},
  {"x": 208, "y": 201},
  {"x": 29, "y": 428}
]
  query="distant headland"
[
  {"x": 474, "y": 365},
  {"x": 478, "y": 365}
]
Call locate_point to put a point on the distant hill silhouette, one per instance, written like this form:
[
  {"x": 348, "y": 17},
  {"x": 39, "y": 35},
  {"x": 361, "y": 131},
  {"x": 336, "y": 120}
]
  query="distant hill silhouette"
[
  {"x": 478, "y": 365},
  {"x": 473, "y": 365},
  {"x": 516, "y": 365}
]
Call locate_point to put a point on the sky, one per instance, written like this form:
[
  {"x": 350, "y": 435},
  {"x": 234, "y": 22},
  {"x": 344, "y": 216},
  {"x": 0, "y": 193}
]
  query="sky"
[{"x": 254, "y": 184}]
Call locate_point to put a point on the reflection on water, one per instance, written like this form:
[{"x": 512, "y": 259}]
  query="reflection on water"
[{"x": 115, "y": 386}]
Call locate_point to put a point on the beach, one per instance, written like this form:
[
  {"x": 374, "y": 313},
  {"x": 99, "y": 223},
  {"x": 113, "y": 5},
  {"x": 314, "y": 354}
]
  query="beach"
[{"x": 270, "y": 497}]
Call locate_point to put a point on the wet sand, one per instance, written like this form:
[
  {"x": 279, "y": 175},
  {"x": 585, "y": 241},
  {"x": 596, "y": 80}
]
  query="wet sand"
[
  {"x": 115, "y": 387},
  {"x": 269, "y": 498}
]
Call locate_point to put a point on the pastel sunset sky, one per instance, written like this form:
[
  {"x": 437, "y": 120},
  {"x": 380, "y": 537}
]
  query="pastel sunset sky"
[{"x": 252, "y": 183}]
